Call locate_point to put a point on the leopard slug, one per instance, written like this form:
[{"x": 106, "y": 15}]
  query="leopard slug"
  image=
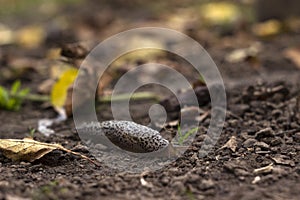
[{"x": 128, "y": 135}]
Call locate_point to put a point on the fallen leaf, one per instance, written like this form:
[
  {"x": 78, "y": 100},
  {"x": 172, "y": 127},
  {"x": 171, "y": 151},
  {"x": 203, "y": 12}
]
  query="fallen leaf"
[
  {"x": 240, "y": 55},
  {"x": 267, "y": 28},
  {"x": 6, "y": 35},
  {"x": 30, "y": 150},
  {"x": 60, "y": 88},
  {"x": 219, "y": 13},
  {"x": 231, "y": 144},
  {"x": 30, "y": 36},
  {"x": 293, "y": 54}
]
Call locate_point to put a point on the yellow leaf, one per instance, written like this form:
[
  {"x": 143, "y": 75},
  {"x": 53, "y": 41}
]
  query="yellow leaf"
[
  {"x": 218, "y": 13},
  {"x": 30, "y": 150},
  {"x": 60, "y": 88},
  {"x": 267, "y": 28},
  {"x": 30, "y": 36}
]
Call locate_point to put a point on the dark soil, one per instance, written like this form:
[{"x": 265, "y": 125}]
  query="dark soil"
[{"x": 263, "y": 114}]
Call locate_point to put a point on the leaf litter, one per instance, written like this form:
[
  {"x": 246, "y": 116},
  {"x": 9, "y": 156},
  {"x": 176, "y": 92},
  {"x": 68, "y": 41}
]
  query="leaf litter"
[{"x": 30, "y": 150}]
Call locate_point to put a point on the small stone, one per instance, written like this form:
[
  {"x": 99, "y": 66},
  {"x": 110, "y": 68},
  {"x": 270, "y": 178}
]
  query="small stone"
[
  {"x": 280, "y": 171},
  {"x": 283, "y": 160},
  {"x": 244, "y": 135},
  {"x": 296, "y": 137},
  {"x": 267, "y": 132},
  {"x": 239, "y": 109},
  {"x": 192, "y": 178},
  {"x": 249, "y": 142},
  {"x": 262, "y": 145},
  {"x": 276, "y": 141},
  {"x": 241, "y": 172},
  {"x": 256, "y": 179},
  {"x": 233, "y": 122},
  {"x": 295, "y": 125},
  {"x": 206, "y": 184},
  {"x": 178, "y": 186},
  {"x": 229, "y": 166},
  {"x": 276, "y": 113},
  {"x": 165, "y": 181},
  {"x": 81, "y": 148}
]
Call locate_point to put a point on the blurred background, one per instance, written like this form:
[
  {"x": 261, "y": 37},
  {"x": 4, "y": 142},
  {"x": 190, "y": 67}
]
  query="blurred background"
[{"x": 247, "y": 39}]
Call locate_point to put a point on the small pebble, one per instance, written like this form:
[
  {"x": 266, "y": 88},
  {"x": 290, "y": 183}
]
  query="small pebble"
[
  {"x": 206, "y": 184},
  {"x": 276, "y": 141},
  {"x": 297, "y": 137},
  {"x": 267, "y": 132},
  {"x": 249, "y": 142},
  {"x": 262, "y": 145}
]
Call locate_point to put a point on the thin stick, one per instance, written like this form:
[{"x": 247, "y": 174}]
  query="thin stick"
[
  {"x": 32, "y": 97},
  {"x": 105, "y": 99},
  {"x": 135, "y": 96},
  {"x": 81, "y": 155}
]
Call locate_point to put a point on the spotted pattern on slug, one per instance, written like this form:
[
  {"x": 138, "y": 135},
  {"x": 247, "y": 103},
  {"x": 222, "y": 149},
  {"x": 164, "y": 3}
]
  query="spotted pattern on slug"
[{"x": 128, "y": 135}]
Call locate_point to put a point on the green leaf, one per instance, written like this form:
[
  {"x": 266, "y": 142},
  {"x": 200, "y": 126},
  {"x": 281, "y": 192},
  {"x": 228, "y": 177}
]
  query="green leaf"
[
  {"x": 12, "y": 100},
  {"x": 15, "y": 87},
  {"x": 3, "y": 97},
  {"x": 183, "y": 137},
  {"x": 12, "y": 104},
  {"x": 24, "y": 92}
]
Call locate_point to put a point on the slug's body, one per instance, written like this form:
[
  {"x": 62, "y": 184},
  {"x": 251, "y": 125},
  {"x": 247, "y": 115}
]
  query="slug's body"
[{"x": 128, "y": 135}]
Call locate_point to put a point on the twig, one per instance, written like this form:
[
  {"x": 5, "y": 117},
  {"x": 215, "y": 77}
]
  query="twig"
[
  {"x": 79, "y": 154},
  {"x": 104, "y": 99},
  {"x": 135, "y": 96},
  {"x": 32, "y": 97}
]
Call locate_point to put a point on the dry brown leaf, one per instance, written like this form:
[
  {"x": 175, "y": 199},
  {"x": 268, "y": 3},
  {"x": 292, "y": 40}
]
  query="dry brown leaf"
[
  {"x": 293, "y": 54},
  {"x": 30, "y": 150},
  {"x": 231, "y": 144}
]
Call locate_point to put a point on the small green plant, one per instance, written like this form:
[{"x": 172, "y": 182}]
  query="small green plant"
[
  {"x": 12, "y": 99},
  {"x": 31, "y": 132},
  {"x": 183, "y": 137}
]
